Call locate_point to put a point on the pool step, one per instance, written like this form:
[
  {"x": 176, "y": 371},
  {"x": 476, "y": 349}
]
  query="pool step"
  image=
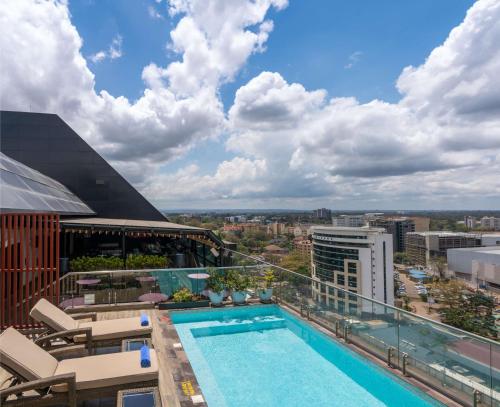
[{"x": 246, "y": 326}]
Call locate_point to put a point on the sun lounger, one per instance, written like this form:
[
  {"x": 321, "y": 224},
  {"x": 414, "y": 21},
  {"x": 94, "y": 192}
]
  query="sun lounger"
[
  {"x": 107, "y": 332},
  {"x": 53, "y": 382}
]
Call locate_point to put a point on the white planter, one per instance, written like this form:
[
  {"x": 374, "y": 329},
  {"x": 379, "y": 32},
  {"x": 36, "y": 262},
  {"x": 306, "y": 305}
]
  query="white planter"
[
  {"x": 216, "y": 298},
  {"x": 239, "y": 297},
  {"x": 265, "y": 294}
]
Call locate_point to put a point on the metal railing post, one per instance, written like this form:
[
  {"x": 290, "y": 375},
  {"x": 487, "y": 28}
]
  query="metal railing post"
[
  {"x": 390, "y": 354},
  {"x": 346, "y": 333},
  {"x": 476, "y": 398},
  {"x": 405, "y": 361}
]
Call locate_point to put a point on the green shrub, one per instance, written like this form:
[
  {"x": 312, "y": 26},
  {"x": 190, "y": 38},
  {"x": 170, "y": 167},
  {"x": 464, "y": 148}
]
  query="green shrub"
[
  {"x": 145, "y": 261},
  {"x": 85, "y": 263},
  {"x": 216, "y": 280},
  {"x": 183, "y": 295},
  {"x": 133, "y": 262}
]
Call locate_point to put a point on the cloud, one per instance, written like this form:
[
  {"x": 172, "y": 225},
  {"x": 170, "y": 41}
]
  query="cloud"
[
  {"x": 113, "y": 52},
  {"x": 180, "y": 105},
  {"x": 441, "y": 142},
  {"x": 153, "y": 13},
  {"x": 353, "y": 59},
  {"x": 439, "y": 145}
]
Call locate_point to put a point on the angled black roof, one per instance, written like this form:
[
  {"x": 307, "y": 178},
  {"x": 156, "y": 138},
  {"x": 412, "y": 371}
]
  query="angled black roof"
[{"x": 47, "y": 144}]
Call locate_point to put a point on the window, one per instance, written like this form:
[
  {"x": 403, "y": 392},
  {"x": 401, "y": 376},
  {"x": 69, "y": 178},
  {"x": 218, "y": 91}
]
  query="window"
[
  {"x": 352, "y": 282},
  {"x": 340, "y": 279}
]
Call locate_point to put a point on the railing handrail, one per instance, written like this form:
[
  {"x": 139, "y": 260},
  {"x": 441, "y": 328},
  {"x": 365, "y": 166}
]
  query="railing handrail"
[{"x": 413, "y": 315}]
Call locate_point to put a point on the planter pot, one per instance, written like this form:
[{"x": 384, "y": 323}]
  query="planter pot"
[
  {"x": 183, "y": 305},
  {"x": 216, "y": 298},
  {"x": 265, "y": 294},
  {"x": 239, "y": 297}
]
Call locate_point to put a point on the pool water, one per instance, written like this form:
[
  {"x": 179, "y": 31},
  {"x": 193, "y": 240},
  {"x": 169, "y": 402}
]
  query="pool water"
[{"x": 264, "y": 356}]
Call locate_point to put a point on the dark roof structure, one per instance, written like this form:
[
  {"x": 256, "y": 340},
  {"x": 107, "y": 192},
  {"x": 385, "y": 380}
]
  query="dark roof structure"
[
  {"x": 44, "y": 142},
  {"x": 23, "y": 189}
]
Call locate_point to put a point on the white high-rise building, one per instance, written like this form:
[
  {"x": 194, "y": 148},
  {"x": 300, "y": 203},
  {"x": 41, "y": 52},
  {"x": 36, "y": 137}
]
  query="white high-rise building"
[
  {"x": 350, "y": 221},
  {"x": 358, "y": 260}
]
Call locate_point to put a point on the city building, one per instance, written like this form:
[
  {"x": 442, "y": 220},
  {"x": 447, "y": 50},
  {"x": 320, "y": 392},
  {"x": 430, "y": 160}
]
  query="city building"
[
  {"x": 422, "y": 247},
  {"x": 236, "y": 219},
  {"x": 490, "y": 239},
  {"x": 276, "y": 229},
  {"x": 490, "y": 223},
  {"x": 358, "y": 260},
  {"x": 397, "y": 227},
  {"x": 349, "y": 221},
  {"x": 322, "y": 213},
  {"x": 479, "y": 265},
  {"x": 470, "y": 222},
  {"x": 422, "y": 223},
  {"x": 300, "y": 230},
  {"x": 302, "y": 246}
]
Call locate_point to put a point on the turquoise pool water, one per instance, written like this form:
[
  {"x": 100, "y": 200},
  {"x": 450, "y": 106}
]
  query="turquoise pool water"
[{"x": 264, "y": 356}]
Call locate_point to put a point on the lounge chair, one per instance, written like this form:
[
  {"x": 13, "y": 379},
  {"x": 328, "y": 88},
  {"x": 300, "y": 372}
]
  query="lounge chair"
[
  {"x": 41, "y": 380},
  {"x": 102, "y": 333}
]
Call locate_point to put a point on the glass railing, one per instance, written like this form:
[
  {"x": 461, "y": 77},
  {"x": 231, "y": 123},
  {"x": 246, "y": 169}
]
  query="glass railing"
[
  {"x": 78, "y": 289},
  {"x": 462, "y": 365}
]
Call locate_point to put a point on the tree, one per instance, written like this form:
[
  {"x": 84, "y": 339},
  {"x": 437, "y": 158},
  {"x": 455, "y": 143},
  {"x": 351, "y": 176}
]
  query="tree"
[
  {"x": 296, "y": 262},
  {"x": 401, "y": 258},
  {"x": 440, "y": 266},
  {"x": 472, "y": 312}
]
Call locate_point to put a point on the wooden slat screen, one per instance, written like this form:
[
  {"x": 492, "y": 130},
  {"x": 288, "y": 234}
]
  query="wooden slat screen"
[{"x": 29, "y": 261}]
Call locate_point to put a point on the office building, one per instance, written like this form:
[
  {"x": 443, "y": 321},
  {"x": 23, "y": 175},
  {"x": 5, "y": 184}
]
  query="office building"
[
  {"x": 479, "y": 265},
  {"x": 470, "y": 222},
  {"x": 358, "y": 260},
  {"x": 422, "y": 247},
  {"x": 276, "y": 229},
  {"x": 490, "y": 239},
  {"x": 349, "y": 221},
  {"x": 322, "y": 213},
  {"x": 302, "y": 246},
  {"x": 397, "y": 227},
  {"x": 490, "y": 223},
  {"x": 422, "y": 223}
]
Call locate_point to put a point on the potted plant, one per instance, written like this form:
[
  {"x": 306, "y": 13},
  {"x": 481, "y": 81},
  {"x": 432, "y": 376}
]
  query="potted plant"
[
  {"x": 215, "y": 284},
  {"x": 184, "y": 298},
  {"x": 238, "y": 283},
  {"x": 265, "y": 292}
]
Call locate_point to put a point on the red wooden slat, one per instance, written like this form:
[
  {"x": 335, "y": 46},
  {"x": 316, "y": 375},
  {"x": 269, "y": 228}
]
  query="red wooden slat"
[
  {"x": 57, "y": 237},
  {"x": 51, "y": 257},
  {"x": 9, "y": 268},
  {"x": 40, "y": 255},
  {"x": 28, "y": 270},
  {"x": 3, "y": 253},
  {"x": 22, "y": 273},
  {"x": 45, "y": 254}
]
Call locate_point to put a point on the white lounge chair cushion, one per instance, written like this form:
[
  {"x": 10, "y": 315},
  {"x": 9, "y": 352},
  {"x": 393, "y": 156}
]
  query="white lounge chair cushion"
[
  {"x": 52, "y": 316},
  {"x": 24, "y": 357},
  {"x": 114, "y": 329},
  {"x": 93, "y": 372}
]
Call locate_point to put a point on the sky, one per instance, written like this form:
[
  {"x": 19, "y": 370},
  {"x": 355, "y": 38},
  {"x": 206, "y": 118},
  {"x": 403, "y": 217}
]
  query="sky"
[{"x": 271, "y": 103}]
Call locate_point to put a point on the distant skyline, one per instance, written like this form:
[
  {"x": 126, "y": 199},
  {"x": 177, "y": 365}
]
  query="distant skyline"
[{"x": 205, "y": 104}]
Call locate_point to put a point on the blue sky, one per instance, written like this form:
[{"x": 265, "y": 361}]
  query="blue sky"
[
  {"x": 383, "y": 104},
  {"x": 309, "y": 45}
]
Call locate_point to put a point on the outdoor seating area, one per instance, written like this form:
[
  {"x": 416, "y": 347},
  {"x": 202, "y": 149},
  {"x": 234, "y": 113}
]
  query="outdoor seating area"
[{"x": 117, "y": 356}]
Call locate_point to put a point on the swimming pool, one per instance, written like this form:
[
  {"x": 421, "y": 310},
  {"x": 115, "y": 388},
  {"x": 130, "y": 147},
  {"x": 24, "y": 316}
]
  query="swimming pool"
[{"x": 264, "y": 356}]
